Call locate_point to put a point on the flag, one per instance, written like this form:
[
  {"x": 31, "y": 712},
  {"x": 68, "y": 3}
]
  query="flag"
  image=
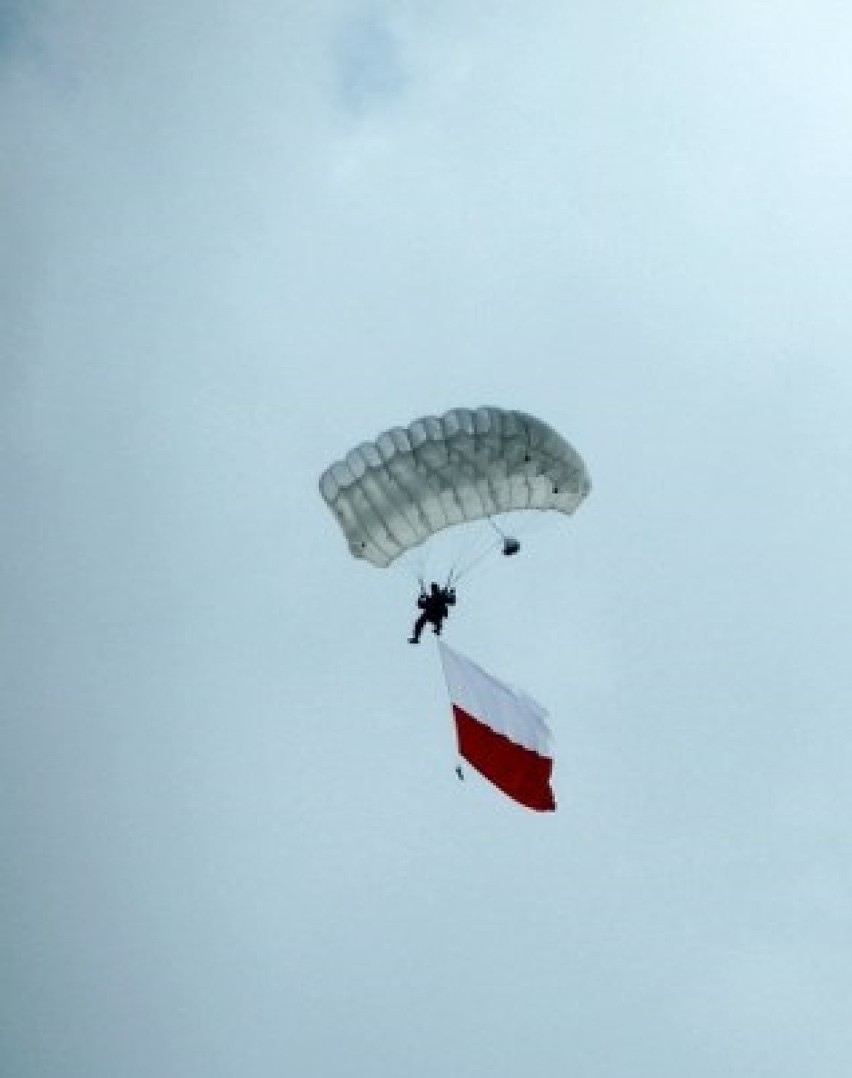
[{"x": 501, "y": 731}]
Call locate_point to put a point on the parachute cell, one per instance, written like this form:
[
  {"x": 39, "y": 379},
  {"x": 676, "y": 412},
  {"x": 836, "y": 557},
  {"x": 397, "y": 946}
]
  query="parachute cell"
[{"x": 394, "y": 493}]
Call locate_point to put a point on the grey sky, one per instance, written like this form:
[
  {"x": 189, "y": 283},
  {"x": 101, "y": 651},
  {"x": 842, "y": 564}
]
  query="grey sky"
[{"x": 235, "y": 243}]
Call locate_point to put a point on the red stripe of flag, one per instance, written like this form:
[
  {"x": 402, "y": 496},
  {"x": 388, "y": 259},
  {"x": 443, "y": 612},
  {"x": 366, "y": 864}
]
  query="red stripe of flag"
[{"x": 520, "y": 773}]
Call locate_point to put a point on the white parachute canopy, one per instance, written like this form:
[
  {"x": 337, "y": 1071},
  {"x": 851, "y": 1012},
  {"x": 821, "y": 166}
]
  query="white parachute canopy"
[{"x": 393, "y": 494}]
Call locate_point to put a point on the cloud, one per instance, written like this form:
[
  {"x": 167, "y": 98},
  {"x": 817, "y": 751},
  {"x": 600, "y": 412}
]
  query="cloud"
[
  {"x": 13, "y": 24},
  {"x": 368, "y": 63}
]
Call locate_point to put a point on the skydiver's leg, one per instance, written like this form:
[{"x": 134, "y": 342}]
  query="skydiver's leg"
[{"x": 418, "y": 629}]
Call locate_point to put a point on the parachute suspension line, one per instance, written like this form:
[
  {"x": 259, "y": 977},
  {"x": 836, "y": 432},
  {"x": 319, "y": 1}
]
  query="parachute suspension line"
[
  {"x": 424, "y": 566},
  {"x": 483, "y": 546}
]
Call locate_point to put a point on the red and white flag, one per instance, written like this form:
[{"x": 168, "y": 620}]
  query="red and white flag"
[{"x": 501, "y": 731}]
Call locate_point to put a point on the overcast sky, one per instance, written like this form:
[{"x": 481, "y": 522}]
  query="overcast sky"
[{"x": 236, "y": 240}]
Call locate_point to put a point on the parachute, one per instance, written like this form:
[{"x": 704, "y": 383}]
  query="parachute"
[{"x": 391, "y": 495}]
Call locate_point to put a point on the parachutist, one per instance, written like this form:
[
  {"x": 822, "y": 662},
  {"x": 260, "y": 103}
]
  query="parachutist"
[
  {"x": 435, "y": 607},
  {"x": 510, "y": 546},
  {"x": 460, "y": 774}
]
